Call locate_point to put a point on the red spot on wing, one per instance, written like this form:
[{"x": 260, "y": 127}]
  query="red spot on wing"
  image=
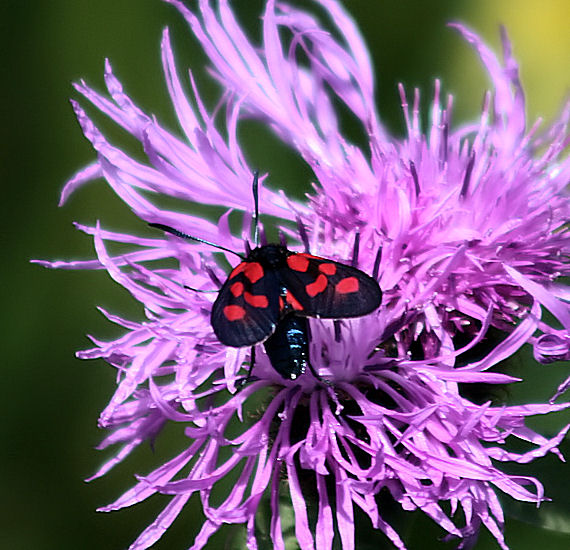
[
  {"x": 327, "y": 268},
  {"x": 293, "y": 302},
  {"x": 256, "y": 300},
  {"x": 253, "y": 271},
  {"x": 317, "y": 286},
  {"x": 298, "y": 262},
  {"x": 234, "y": 313},
  {"x": 237, "y": 269},
  {"x": 237, "y": 289},
  {"x": 347, "y": 285}
]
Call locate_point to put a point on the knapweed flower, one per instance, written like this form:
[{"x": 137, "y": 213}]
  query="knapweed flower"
[{"x": 464, "y": 227}]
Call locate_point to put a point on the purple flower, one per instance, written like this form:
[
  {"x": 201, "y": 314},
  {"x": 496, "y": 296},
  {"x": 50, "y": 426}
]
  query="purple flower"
[{"x": 464, "y": 227}]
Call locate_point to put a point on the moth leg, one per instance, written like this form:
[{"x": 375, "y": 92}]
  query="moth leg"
[
  {"x": 248, "y": 377},
  {"x": 315, "y": 373},
  {"x": 309, "y": 364}
]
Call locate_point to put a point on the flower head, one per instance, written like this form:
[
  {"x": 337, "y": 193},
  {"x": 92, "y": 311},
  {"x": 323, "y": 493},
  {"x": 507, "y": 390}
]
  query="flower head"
[{"x": 464, "y": 227}]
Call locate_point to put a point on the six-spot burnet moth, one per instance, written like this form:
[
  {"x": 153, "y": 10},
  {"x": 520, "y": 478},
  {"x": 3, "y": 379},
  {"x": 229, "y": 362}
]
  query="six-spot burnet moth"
[
  {"x": 271, "y": 292},
  {"x": 288, "y": 347}
]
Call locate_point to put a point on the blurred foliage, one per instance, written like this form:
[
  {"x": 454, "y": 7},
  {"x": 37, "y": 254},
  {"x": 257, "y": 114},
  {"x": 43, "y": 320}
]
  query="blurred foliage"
[{"x": 50, "y": 400}]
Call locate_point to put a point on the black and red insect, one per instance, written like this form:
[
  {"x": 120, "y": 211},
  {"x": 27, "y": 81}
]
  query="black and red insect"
[
  {"x": 269, "y": 294},
  {"x": 288, "y": 347}
]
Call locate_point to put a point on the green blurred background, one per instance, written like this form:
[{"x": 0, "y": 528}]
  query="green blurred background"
[{"x": 51, "y": 400}]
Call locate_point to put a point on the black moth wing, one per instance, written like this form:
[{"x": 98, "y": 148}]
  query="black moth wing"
[
  {"x": 245, "y": 312},
  {"x": 328, "y": 289}
]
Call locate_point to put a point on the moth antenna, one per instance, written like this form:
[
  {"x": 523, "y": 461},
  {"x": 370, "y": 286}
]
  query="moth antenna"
[
  {"x": 355, "y": 250},
  {"x": 303, "y": 234},
  {"x": 177, "y": 233},
  {"x": 282, "y": 239},
  {"x": 255, "y": 189},
  {"x": 247, "y": 248}
]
